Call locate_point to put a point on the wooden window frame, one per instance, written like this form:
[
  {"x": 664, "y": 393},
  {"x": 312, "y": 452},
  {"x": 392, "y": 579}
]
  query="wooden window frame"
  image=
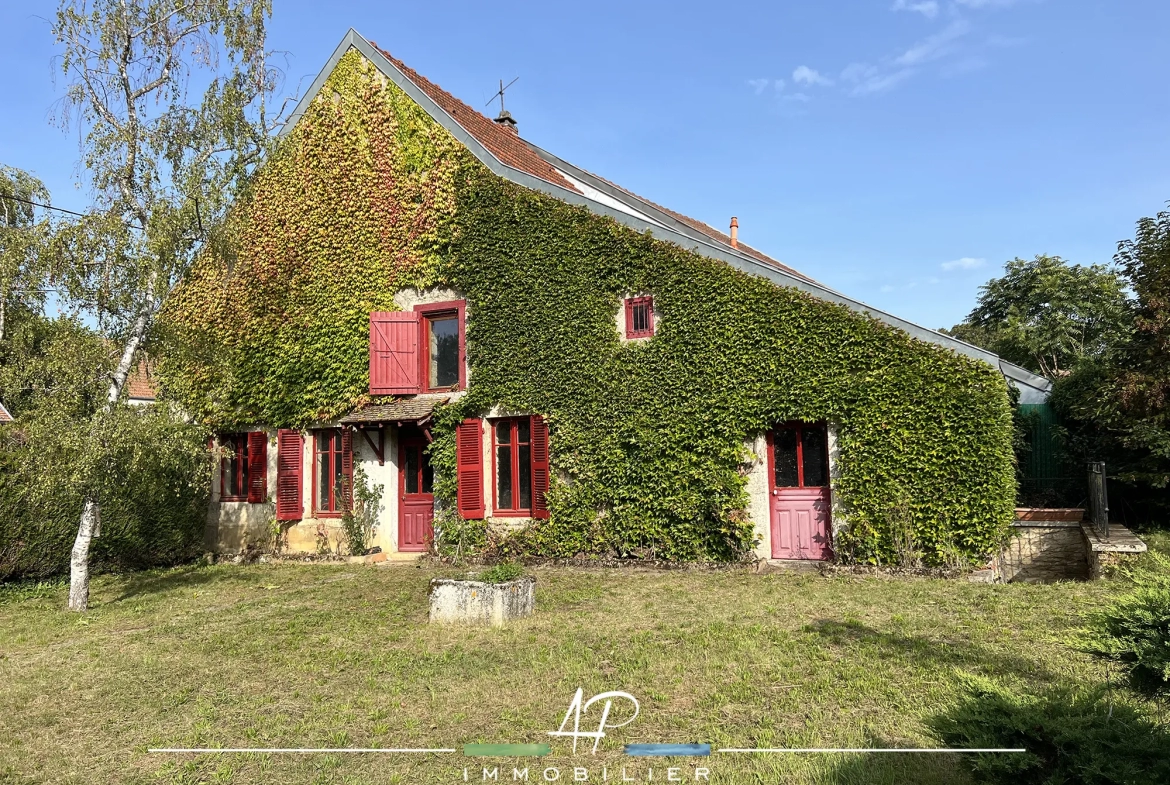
[
  {"x": 515, "y": 444},
  {"x": 631, "y": 304},
  {"x": 798, "y": 427},
  {"x": 315, "y": 478},
  {"x": 239, "y": 446},
  {"x": 426, "y": 312}
]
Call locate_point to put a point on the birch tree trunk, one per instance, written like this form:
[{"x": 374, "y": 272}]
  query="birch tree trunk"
[{"x": 90, "y": 525}]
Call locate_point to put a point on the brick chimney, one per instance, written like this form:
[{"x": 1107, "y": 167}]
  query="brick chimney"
[
  {"x": 734, "y": 232},
  {"x": 507, "y": 122}
]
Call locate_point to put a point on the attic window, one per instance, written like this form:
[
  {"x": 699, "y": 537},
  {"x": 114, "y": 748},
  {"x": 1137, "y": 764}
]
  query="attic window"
[{"x": 639, "y": 317}]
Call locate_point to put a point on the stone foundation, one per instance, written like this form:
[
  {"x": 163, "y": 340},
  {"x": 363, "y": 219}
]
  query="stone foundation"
[
  {"x": 1058, "y": 545},
  {"x": 1044, "y": 552},
  {"x": 1104, "y": 556}
]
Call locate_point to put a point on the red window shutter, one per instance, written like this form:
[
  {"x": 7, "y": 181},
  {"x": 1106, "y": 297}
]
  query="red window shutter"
[
  {"x": 469, "y": 467},
  {"x": 629, "y": 317},
  {"x": 257, "y": 467},
  {"x": 539, "y": 467},
  {"x": 346, "y": 468},
  {"x": 289, "y": 450},
  {"x": 395, "y": 361}
]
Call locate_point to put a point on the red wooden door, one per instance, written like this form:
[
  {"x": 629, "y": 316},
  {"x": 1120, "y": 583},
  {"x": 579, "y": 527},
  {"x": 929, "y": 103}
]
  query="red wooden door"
[
  {"x": 416, "y": 498},
  {"x": 799, "y": 485}
]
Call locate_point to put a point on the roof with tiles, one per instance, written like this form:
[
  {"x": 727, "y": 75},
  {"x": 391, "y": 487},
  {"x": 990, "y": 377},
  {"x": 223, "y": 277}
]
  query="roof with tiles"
[
  {"x": 5, "y": 416},
  {"x": 139, "y": 384},
  {"x": 506, "y": 144}
]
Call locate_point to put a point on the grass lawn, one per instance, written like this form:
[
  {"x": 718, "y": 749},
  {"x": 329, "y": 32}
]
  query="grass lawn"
[{"x": 336, "y": 656}]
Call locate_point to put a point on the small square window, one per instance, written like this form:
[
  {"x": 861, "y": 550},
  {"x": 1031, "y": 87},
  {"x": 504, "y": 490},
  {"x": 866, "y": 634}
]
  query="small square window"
[{"x": 639, "y": 317}]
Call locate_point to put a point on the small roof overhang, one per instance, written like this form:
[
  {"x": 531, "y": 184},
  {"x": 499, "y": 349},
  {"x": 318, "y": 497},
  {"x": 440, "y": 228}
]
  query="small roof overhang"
[
  {"x": 5, "y": 416},
  {"x": 408, "y": 410}
]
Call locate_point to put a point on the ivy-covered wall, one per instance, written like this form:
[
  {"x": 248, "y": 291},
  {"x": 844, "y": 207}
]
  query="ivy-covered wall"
[{"x": 368, "y": 195}]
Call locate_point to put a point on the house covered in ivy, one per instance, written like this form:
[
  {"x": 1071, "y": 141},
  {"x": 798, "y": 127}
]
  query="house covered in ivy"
[{"x": 426, "y": 316}]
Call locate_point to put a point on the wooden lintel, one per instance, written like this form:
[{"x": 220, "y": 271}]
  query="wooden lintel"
[{"x": 380, "y": 448}]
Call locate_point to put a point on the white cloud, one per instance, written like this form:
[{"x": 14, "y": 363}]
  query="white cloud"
[
  {"x": 796, "y": 97},
  {"x": 879, "y": 82},
  {"x": 887, "y": 288},
  {"x": 966, "y": 263},
  {"x": 928, "y": 8},
  {"x": 934, "y": 46},
  {"x": 805, "y": 75},
  {"x": 759, "y": 85}
]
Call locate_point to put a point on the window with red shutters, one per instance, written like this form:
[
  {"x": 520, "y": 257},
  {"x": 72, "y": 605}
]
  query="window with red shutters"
[
  {"x": 395, "y": 360},
  {"x": 520, "y": 462},
  {"x": 469, "y": 468},
  {"x": 639, "y": 317},
  {"x": 424, "y": 350},
  {"x": 289, "y": 459},
  {"x": 233, "y": 468},
  {"x": 257, "y": 467},
  {"x": 443, "y": 345}
]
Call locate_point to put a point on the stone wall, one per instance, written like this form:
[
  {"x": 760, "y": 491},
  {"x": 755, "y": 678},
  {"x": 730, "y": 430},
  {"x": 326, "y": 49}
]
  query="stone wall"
[{"x": 1043, "y": 552}]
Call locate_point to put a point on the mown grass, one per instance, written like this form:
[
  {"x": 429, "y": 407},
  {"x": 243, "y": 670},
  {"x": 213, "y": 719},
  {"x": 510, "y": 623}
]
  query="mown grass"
[{"x": 336, "y": 656}]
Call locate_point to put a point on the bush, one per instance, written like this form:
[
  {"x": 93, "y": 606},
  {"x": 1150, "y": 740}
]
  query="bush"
[
  {"x": 1134, "y": 629},
  {"x": 152, "y": 479},
  {"x": 1072, "y": 737}
]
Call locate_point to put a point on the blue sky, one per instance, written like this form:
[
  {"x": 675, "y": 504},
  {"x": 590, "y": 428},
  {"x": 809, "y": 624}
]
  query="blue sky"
[{"x": 896, "y": 150}]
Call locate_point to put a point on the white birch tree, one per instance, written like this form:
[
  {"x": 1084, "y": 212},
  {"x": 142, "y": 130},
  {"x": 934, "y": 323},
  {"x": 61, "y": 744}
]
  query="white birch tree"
[{"x": 163, "y": 168}]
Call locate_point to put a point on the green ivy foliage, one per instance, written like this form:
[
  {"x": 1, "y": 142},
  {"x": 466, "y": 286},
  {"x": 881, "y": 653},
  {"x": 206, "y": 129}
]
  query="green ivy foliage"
[{"x": 650, "y": 440}]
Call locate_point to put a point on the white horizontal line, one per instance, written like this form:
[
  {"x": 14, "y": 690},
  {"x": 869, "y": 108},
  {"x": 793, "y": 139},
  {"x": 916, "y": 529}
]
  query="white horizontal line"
[
  {"x": 876, "y": 749},
  {"x": 303, "y": 750}
]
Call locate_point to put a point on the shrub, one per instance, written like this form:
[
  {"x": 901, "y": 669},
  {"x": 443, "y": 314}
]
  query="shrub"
[
  {"x": 501, "y": 573},
  {"x": 1072, "y": 737},
  {"x": 359, "y": 523},
  {"x": 1134, "y": 629}
]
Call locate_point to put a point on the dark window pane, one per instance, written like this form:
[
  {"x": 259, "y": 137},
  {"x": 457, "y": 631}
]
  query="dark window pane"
[
  {"x": 816, "y": 463},
  {"x": 642, "y": 315},
  {"x": 785, "y": 446},
  {"x": 323, "y": 472},
  {"x": 428, "y": 474},
  {"x": 504, "y": 477},
  {"x": 525, "y": 474},
  {"x": 236, "y": 470},
  {"x": 522, "y": 432},
  {"x": 410, "y": 476},
  {"x": 504, "y": 432},
  {"x": 444, "y": 351}
]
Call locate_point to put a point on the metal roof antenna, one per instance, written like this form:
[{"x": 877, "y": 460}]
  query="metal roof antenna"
[{"x": 504, "y": 119}]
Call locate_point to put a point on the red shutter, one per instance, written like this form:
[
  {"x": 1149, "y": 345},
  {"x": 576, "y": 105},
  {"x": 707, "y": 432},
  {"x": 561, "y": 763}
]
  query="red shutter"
[
  {"x": 469, "y": 467},
  {"x": 289, "y": 449},
  {"x": 257, "y": 467},
  {"x": 539, "y": 467},
  {"x": 629, "y": 302},
  {"x": 346, "y": 468},
  {"x": 395, "y": 362}
]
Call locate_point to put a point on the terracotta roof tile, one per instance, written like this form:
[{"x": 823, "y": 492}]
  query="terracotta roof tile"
[
  {"x": 507, "y": 146},
  {"x": 5, "y": 416},
  {"x": 503, "y": 143}
]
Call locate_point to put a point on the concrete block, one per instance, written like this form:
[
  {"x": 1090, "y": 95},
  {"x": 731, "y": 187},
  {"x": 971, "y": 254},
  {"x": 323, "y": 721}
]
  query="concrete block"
[{"x": 476, "y": 602}]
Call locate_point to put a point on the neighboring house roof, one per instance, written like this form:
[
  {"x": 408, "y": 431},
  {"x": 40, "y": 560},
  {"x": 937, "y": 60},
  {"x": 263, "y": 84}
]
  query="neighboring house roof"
[
  {"x": 139, "y": 385},
  {"x": 507, "y": 155},
  {"x": 5, "y": 416}
]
